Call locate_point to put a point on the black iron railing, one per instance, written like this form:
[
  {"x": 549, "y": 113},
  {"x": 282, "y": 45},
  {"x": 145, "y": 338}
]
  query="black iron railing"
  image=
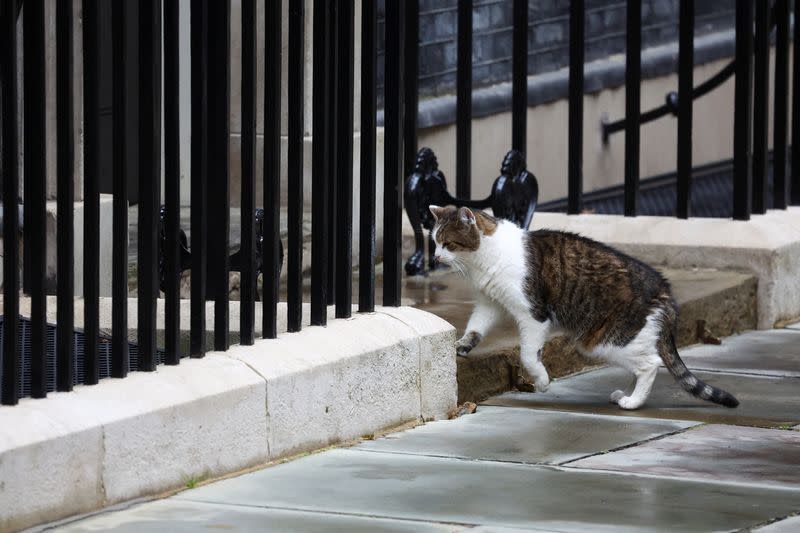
[{"x": 56, "y": 360}]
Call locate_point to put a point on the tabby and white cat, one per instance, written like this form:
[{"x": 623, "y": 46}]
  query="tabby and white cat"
[{"x": 612, "y": 306}]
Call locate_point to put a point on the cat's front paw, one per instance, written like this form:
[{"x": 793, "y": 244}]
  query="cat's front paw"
[
  {"x": 465, "y": 344},
  {"x": 542, "y": 384}
]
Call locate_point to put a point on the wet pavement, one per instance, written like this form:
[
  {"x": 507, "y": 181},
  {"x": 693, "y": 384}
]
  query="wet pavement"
[{"x": 564, "y": 461}]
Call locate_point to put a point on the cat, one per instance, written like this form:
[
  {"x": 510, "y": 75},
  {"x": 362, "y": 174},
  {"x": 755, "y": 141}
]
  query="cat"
[{"x": 612, "y": 306}]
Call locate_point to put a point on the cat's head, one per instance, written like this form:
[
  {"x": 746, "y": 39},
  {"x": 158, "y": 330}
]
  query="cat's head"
[{"x": 458, "y": 232}]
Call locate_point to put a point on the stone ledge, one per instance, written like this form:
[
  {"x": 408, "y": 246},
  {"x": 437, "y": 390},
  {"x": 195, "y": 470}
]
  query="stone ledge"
[{"x": 151, "y": 432}]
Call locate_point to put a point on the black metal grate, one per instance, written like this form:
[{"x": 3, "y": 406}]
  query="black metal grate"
[{"x": 104, "y": 356}]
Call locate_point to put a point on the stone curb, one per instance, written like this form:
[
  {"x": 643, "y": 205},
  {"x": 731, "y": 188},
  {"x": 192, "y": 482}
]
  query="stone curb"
[{"x": 152, "y": 432}]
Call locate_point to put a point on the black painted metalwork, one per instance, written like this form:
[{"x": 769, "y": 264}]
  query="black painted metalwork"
[
  {"x": 366, "y": 262},
  {"x": 65, "y": 184},
  {"x": 633, "y": 79},
  {"x": 170, "y": 240},
  {"x": 685, "y": 108},
  {"x": 320, "y": 171},
  {"x": 332, "y": 102},
  {"x": 247, "y": 283},
  {"x": 519, "y": 76},
  {"x": 35, "y": 132},
  {"x": 120, "y": 360},
  {"x": 794, "y": 187},
  {"x": 743, "y": 113},
  {"x": 781, "y": 94},
  {"x": 344, "y": 162},
  {"x": 577, "y": 37},
  {"x": 411, "y": 96},
  {"x": 514, "y": 196},
  {"x": 464, "y": 101},
  {"x": 272, "y": 170},
  {"x": 91, "y": 191},
  {"x": 393, "y": 158},
  {"x": 11, "y": 362},
  {"x": 296, "y": 87},
  {"x": 761, "y": 109},
  {"x": 199, "y": 170}
]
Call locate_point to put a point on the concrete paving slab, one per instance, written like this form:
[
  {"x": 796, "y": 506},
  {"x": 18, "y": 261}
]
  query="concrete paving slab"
[
  {"x": 497, "y": 494},
  {"x": 523, "y": 435},
  {"x": 774, "y": 352},
  {"x": 764, "y": 401},
  {"x": 787, "y": 525},
  {"x": 178, "y": 516},
  {"x": 714, "y": 452}
]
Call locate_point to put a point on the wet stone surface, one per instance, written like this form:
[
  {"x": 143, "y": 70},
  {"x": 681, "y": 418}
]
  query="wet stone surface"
[
  {"x": 764, "y": 401},
  {"x": 523, "y": 435},
  {"x": 490, "y": 493},
  {"x": 787, "y": 525},
  {"x": 714, "y": 452},
  {"x": 773, "y": 353}
]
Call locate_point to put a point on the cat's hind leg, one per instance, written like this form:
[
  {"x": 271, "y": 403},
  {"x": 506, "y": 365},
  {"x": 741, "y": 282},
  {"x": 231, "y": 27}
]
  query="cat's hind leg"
[
  {"x": 645, "y": 372},
  {"x": 485, "y": 315},
  {"x": 617, "y": 394},
  {"x": 532, "y": 335}
]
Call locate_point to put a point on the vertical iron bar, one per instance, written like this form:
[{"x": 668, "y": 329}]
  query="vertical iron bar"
[
  {"x": 272, "y": 169},
  {"x": 366, "y": 263},
  {"x": 296, "y": 87},
  {"x": 172, "y": 182},
  {"x": 320, "y": 175},
  {"x": 781, "y": 181},
  {"x": 149, "y": 177},
  {"x": 519, "y": 67},
  {"x": 333, "y": 148},
  {"x": 393, "y": 158},
  {"x": 344, "y": 179},
  {"x": 633, "y": 76},
  {"x": 199, "y": 37},
  {"x": 464, "y": 101},
  {"x": 412, "y": 81},
  {"x": 685, "y": 108},
  {"x": 9, "y": 370},
  {"x": 219, "y": 87},
  {"x": 761, "y": 109},
  {"x": 65, "y": 208},
  {"x": 120, "y": 358},
  {"x": 91, "y": 191},
  {"x": 743, "y": 113},
  {"x": 794, "y": 187},
  {"x": 248, "y": 199},
  {"x": 576, "y": 60},
  {"x": 35, "y": 187}
]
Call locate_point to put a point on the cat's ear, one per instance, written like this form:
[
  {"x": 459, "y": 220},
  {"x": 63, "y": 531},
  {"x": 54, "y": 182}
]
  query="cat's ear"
[
  {"x": 435, "y": 211},
  {"x": 466, "y": 215}
]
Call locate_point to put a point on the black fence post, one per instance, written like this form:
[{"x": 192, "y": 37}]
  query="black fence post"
[
  {"x": 781, "y": 125},
  {"x": 393, "y": 158},
  {"x": 575, "y": 150},
  {"x": 91, "y": 191},
  {"x": 172, "y": 177},
  {"x": 247, "y": 279},
  {"x": 761, "y": 109},
  {"x": 411, "y": 96},
  {"x": 333, "y": 147},
  {"x": 519, "y": 67},
  {"x": 633, "y": 76},
  {"x": 296, "y": 88},
  {"x": 794, "y": 187},
  {"x": 743, "y": 113},
  {"x": 200, "y": 123},
  {"x": 685, "y": 108},
  {"x": 464, "y": 101},
  {"x": 9, "y": 380},
  {"x": 35, "y": 184},
  {"x": 65, "y": 183},
  {"x": 344, "y": 174},
  {"x": 120, "y": 357},
  {"x": 272, "y": 169},
  {"x": 366, "y": 263},
  {"x": 320, "y": 175}
]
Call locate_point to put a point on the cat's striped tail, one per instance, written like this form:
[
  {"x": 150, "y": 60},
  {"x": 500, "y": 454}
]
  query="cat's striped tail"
[{"x": 690, "y": 382}]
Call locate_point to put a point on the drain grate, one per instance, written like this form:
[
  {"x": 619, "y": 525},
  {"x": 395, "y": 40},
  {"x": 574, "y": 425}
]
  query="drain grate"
[{"x": 79, "y": 338}]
